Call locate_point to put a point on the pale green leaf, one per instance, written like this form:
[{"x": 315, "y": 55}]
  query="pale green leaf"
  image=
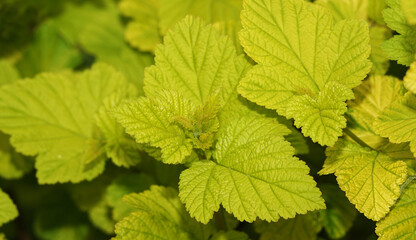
[
  {"x": 409, "y": 9},
  {"x": 304, "y": 58},
  {"x": 401, "y": 47},
  {"x": 339, "y": 216},
  {"x": 398, "y": 121},
  {"x": 370, "y": 179},
  {"x": 100, "y": 217},
  {"x": 52, "y": 116},
  {"x": 254, "y": 174},
  {"x": 302, "y": 227},
  {"x": 378, "y": 35},
  {"x": 374, "y": 10},
  {"x": 409, "y": 80},
  {"x": 48, "y": 53},
  {"x": 400, "y": 223},
  {"x": 151, "y": 120},
  {"x": 8, "y": 210},
  {"x": 159, "y": 214}
]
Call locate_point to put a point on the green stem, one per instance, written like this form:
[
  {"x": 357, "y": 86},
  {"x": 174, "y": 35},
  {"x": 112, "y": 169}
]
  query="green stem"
[
  {"x": 219, "y": 219},
  {"x": 356, "y": 139},
  {"x": 407, "y": 182}
]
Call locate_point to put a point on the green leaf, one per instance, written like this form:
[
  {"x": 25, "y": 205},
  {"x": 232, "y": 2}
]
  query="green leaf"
[
  {"x": 8, "y": 210},
  {"x": 120, "y": 147},
  {"x": 143, "y": 31},
  {"x": 48, "y": 53},
  {"x": 370, "y": 179},
  {"x": 364, "y": 10},
  {"x": 195, "y": 61},
  {"x": 306, "y": 63},
  {"x": 398, "y": 121},
  {"x": 151, "y": 120},
  {"x": 409, "y": 80},
  {"x": 401, "y": 221},
  {"x": 339, "y": 216},
  {"x": 97, "y": 28},
  {"x": 302, "y": 227},
  {"x": 159, "y": 214},
  {"x": 13, "y": 165},
  {"x": 52, "y": 116},
  {"x": 8, "y": 73},
  {"x": 123, "y": 185},
  {"x": 254, "y": 174},
  {"x": 401, "y": 48}
]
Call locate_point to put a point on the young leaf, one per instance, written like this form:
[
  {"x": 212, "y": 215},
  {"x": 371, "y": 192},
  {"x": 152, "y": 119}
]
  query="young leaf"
[
  {"x": 151, "y": 120},
  {"x": 401, "y": 47},
  {"x": 8, "y": 210},
  {"x": 159, "y": 214},
  {"x": 370, "y": 179},
  {"x": 302, "y": 227},
  {"x": 401, "y": 221},
  {"x": 398, "y": 121},
  {"x": 52, "y": 116},
  {"x": 306, "y": 63},
  {"x": 254, "y": 175},
  {"x": 8, "y": 73}
]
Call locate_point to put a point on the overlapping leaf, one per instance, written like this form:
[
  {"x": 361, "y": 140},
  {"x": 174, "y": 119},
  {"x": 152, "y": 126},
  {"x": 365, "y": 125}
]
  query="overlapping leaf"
[
  {"x": 398, "y": 121},
  {"x": 401, "y": 47},
  {"x": 159, "y": 214},
  {"x": 254, "y": 174},
  {"x": 401, "y": 221},
  {"x": 52, "y": 116},
  {"x": 306, "y": 63},
  {"x": 370, "y": 179}
]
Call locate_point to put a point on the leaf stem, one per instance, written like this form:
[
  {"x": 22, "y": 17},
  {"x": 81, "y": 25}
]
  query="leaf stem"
[{"x": 354, "y": 137}]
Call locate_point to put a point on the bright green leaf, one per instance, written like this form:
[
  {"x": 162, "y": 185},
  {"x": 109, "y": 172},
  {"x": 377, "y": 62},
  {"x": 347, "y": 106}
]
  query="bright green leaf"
[
  {"x": 53, "y": 116},
  {"x": 370, "y": 179},
  {"x": 151, "y": 120},
  {"x": 8, "y": 210},
  {"x": 13, "y": 165},
  {"x": 159, "y": 214},
  {"x": 254, "y": 175},
  {"x": 401, "y": 221},
  {"x": 306, "y": 63}
]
